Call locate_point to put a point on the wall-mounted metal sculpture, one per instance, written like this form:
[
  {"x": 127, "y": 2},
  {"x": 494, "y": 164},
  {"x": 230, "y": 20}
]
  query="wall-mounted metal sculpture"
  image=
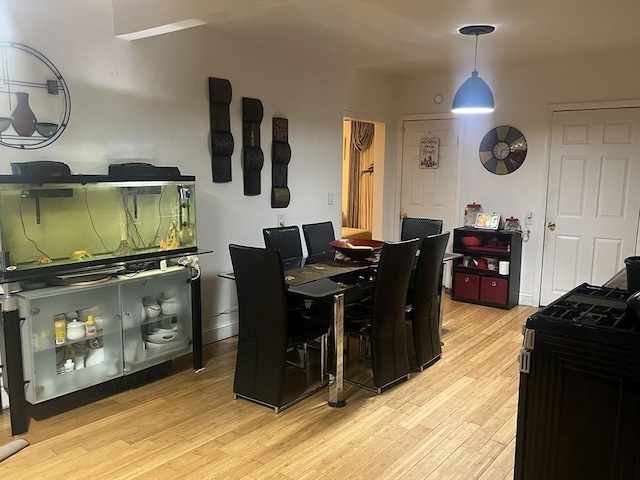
[
  {"x": 221, "y": 138},
  {"x": 252, "y": 156},
  {"x": 280, "y": 158},
  {"x": 31, "y": 90}
]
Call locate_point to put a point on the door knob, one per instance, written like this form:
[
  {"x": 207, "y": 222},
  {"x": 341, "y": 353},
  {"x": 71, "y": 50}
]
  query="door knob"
[
  {"x": 403, "y": 215},
  {"x": 551, "y": 226}
]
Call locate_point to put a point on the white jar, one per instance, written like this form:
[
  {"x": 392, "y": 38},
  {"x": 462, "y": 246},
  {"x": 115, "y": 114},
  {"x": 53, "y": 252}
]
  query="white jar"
[
  {"x": 75, "y": 330},
  {"x": 470, "y": 213},
  {"x": 169, "y": 306}
]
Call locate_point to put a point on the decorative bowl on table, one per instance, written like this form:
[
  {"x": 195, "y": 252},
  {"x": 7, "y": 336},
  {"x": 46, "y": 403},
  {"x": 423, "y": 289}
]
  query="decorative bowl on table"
[{"x": 357, "y": 248}]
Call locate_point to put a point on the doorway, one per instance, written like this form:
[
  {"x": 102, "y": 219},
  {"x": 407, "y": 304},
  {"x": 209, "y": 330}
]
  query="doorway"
[
  {"x": 367, "y": 175},
  {"x": 593, "y": 198}
]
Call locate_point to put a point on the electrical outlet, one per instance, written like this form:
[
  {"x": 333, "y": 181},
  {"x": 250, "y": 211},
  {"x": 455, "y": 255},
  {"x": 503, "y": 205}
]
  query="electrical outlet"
[
  {"x": 330, "y": 198},
  {"x": 528, "y": 218},
  {"x": 281, "y": 219}
]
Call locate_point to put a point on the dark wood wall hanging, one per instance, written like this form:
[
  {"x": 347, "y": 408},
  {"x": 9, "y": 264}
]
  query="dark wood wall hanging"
[
  {"x": 252, "y": 156},
  {"x": 280, "y": 158},
  {"x": 221, "y": 138}
]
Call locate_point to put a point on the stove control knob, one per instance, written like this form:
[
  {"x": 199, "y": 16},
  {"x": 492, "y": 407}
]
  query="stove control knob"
[{"x": 551, "y": 226}]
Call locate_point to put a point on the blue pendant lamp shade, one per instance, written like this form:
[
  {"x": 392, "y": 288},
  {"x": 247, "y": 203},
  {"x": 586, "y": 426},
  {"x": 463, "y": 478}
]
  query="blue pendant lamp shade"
[{"x": 474, "y": 95}]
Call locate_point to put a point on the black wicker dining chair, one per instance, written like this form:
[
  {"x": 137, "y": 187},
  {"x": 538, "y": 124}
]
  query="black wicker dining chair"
[
  {"x": 419, "y": 228},
  {"x": 269, "y": 332},
  {"x": 317, "y": 237},
  {"x": 287, "y": 241},
  {"x": 379, "y": 325},
  {"x": 424, "y": 300}
]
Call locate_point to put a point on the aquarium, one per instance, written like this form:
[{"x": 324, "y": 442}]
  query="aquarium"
[{"x": 83, "y": 222}]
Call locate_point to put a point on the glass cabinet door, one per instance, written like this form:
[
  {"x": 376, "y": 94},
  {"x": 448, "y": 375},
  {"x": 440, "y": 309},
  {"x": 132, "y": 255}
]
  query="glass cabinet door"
[
  {"x": 156, "y": 318},
  {"x": 61, "y": 353}
]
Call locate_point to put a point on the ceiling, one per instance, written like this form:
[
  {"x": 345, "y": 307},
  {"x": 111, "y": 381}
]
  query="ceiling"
[{"x": 408, "y": 36}]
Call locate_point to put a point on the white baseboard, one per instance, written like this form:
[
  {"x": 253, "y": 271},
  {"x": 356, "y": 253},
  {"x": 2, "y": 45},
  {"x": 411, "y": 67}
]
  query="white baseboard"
[
  {"x": 5, "y": 398},
  {"x": 221, "y": 330},
  {"x": 526, "y": 299}
]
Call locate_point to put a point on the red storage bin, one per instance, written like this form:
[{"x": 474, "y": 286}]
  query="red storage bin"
[
  {"x": 493, "y": 290},
  {"x": 467, "y": 285}
]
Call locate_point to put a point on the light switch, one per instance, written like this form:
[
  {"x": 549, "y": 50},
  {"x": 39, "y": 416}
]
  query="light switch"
[{"x": 528, "y": 218}]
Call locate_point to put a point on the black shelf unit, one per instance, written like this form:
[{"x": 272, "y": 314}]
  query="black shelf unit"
[{"x": 483, "y": 286}]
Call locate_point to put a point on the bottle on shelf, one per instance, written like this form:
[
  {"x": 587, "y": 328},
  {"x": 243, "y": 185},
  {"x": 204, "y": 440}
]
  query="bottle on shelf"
[
  {"x": 90, "y": 327},
  {"x": 60, "y": 329},
  {"x": 68, "y": 366}
]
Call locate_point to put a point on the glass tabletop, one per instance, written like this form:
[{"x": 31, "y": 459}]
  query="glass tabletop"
[{"x": 356, "y": 279}]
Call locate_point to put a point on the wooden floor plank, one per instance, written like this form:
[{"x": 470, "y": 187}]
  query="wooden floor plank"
[{"x": 455, "y": 420}]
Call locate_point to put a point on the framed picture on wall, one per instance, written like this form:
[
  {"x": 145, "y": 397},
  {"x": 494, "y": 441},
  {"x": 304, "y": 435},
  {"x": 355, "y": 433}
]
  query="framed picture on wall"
[{"x": 429, "y": 151}]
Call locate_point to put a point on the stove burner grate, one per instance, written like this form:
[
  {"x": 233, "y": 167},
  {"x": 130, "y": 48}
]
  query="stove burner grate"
[{"x": 592, "y": 306}]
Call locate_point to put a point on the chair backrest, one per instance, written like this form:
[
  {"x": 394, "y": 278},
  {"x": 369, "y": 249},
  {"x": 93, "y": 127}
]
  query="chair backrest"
[
  {"x": 388, "y": 338},
  {"x": 262, "y": 327},
  {"x": 428, "y": 276},
  {"x": 286, "y": 240},
  {"x": 419, "y": 228},
  {"x": 425, "y": 304},
  {"x": 317, "y": 237}
]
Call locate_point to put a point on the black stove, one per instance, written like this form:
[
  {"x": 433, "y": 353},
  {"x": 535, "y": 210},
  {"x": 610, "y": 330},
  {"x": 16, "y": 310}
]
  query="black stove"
[
  {"x": 591, "y": 306},
  {"x": 579, "y": 395}
]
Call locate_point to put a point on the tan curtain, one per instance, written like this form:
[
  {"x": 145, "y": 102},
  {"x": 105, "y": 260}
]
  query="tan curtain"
[
  {"x": 365, "y": 220},
  {"x": 361, "y": 140}
]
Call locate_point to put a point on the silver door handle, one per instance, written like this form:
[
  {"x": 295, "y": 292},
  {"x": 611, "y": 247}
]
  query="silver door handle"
[{"x": 551, "y": 226}]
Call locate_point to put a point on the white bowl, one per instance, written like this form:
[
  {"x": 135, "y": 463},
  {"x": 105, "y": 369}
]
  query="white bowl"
[
  {"x": 162, "y": 338},
  {"x": 163, "y": 331},
  {"x": 169, "y": 306},
  {"x": 153, "y": 310}
]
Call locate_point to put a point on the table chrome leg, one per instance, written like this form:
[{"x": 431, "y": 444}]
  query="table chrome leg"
[{"x": 336, "y": 379}]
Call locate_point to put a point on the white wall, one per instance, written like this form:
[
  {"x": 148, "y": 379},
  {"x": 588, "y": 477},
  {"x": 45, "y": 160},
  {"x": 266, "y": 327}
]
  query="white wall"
[
  {"x": 148, "y": 100},
  {"x": 523, "y": 95}
]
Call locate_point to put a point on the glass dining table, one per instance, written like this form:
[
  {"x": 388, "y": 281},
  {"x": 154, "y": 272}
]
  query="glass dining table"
[{"x": 335, "y": 283}]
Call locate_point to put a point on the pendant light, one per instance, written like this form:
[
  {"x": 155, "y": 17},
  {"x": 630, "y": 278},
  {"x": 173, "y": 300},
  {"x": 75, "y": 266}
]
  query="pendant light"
[{"x": 474, "y": 95}]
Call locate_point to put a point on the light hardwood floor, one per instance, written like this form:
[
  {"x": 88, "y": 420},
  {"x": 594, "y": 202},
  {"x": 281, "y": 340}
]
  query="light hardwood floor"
[{"x": 455, "y": 420}]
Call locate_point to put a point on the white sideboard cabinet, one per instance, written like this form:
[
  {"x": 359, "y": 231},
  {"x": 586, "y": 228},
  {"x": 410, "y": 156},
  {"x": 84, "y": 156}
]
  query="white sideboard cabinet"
[{"x": 141, "y": 321}]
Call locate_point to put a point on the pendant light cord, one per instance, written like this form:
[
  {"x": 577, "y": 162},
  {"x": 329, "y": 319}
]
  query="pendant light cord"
[{"x": 475, "y": 58}]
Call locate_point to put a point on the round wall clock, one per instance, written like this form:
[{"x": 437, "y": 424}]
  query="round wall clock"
[{"x": 503, "y": 150}]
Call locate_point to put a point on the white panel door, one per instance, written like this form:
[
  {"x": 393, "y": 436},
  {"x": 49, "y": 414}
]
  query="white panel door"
[
  {"x": 593, "y": 200},
  {"x": 430, "y": 192}
]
